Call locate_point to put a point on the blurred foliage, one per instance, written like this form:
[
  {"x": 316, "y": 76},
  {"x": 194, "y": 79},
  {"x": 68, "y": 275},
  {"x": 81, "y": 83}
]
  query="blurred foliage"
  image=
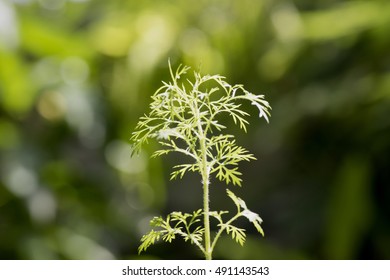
[{"x": 75, "y": 75}]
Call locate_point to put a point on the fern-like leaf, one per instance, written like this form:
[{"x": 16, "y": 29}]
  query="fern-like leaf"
[
  {"x": 237, "y": 234},
  {"x": 149, "y": 239}
]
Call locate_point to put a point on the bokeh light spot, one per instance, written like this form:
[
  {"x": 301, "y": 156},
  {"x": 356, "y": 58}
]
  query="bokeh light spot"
[
  {"x": 42, "y": 206},
  {"x": 118, "y": 156},
  {"x": 52, "y": 4},
  {"x": 52, "y": 106},
  {"x": 74, "y": 70},
  {"x": 20, "y": 180}
]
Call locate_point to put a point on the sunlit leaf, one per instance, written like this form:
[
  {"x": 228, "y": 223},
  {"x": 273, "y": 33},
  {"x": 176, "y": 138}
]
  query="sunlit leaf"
[
  {"x": 149, "y": 239},
  {"x": 237, "y": 234}
]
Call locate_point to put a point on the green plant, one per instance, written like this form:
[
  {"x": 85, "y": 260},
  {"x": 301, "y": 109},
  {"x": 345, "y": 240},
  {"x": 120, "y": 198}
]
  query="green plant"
[{"x": 184, "y": 118}]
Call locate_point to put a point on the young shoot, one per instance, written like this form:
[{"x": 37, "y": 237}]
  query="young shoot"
[{"x": 185, "y": 118}]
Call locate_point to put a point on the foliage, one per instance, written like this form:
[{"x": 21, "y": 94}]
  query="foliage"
[
  {"x": 184, "y": 118},
  {"x": 182, "y": 223}
]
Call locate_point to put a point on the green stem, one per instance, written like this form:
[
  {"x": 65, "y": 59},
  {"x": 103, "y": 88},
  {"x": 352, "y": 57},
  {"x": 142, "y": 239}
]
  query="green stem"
[
  {"x": 223, "y": 228},
  {"x": 204, "y": 170},
  {"x": 208, "y": 252},
  {"x": 206, "y": 200}
]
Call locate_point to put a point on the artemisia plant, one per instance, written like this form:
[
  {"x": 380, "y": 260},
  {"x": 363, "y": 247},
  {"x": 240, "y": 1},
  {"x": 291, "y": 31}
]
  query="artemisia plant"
[{"x": 185, "y": 118}]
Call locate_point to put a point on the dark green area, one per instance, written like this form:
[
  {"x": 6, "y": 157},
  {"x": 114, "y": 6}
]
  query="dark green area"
[{"x": 75, "y": 76}]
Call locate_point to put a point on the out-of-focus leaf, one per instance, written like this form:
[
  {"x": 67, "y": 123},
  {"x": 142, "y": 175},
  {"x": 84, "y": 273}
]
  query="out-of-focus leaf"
[
  {"x": 349, "y": 209},
  {"x": 346, "y": 19},
  {"x": 9, "y": 135},
  {"x": 16, "y": 88},
  {"x": 43, "y": 39}
]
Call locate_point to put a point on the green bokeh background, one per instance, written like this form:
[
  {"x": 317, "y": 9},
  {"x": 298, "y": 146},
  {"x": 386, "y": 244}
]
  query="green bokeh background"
[{"x": 75, "y": 76}]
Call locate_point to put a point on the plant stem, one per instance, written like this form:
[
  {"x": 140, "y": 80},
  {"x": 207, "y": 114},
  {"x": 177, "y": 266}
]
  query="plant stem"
[
  {"x": 223, "y": 228},
  {"x": 205, "y": 173},
  {"x": 206, "y": 201},
  {"x": 204, "y": 170},
  {"x": 208, "y": 252}
]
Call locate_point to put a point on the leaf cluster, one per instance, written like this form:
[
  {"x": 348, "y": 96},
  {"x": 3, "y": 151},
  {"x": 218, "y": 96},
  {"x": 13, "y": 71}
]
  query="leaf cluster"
[
  {"x": 187, "y": 226},
  {"x": 237, "y": 234},
  {"x": 176, "y": 223},
  {"x": 186, "y": 111}
]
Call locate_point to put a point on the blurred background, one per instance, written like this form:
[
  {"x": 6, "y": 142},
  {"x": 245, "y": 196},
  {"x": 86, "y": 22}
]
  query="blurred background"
[{"x": 75, "y": 76}]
